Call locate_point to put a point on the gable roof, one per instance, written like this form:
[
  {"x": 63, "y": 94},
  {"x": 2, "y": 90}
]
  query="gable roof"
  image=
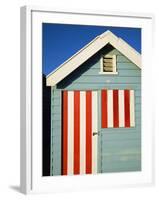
[{"x": 89, "y": 50}]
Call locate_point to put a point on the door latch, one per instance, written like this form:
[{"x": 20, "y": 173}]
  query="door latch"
[{"x": 95, "y": 133}]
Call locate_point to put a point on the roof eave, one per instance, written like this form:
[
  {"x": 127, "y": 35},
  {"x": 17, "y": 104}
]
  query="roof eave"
[{"x": 89, "y": 50}]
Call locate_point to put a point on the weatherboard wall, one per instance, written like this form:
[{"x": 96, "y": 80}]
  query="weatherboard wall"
[{"x": 119, "y": 149}]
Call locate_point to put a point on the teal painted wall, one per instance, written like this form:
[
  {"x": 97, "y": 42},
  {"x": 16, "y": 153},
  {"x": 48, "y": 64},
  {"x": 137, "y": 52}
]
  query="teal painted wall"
[
  {"x": 119, "y": 149},
  {"x": 55, "y": 168}
]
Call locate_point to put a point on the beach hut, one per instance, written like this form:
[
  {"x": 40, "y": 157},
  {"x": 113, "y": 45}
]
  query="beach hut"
[{"x": 96, "y": 109}]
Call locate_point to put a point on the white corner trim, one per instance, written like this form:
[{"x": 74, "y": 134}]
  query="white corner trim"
[
  {"x": 114, "y": 63},
  {"x": 89, "y": 50}
]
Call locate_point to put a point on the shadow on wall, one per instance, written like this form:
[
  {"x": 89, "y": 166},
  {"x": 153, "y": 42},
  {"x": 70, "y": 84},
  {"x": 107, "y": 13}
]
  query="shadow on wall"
[
  {"x": 46, "y": 111},
  {"x": 86, "y": 66}
]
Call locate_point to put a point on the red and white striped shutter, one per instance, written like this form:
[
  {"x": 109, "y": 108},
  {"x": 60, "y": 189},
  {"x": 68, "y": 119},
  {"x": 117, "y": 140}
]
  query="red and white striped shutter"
[
  {"x": 117, "y": 108},
  {"x": 79, "y": 121}
]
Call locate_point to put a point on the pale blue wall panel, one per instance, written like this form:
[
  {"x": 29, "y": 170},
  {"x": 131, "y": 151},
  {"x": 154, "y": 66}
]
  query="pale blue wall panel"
[
  {"x": 55, "y": 132},
  {"x": 119, "y": 149}
]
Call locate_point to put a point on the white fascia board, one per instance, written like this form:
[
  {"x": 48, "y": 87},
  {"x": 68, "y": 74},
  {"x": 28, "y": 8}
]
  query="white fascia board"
[
  {"x": 128, "y": 51},
  {"x": 89, "y": 50},
  {"x": 125, "y": 49},
  {"x": 77, "y": 60}
]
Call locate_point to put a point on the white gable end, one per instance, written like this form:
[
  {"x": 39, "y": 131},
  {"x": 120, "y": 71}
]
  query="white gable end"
[{"x": 88, "y": 51}]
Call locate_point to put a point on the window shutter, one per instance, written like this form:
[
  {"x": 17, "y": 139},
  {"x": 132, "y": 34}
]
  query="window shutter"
[{"x": 117, "y": 108}]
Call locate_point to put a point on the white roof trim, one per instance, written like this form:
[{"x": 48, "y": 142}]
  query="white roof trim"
[{"x": 89, "y": 50}]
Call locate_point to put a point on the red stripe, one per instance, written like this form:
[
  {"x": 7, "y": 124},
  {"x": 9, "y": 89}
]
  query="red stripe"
[
  {"x": 115, "y": 109},
  {"x": 76, "y": 132},
  {"x": 88, "y": 132},
  {"x": 104, "y": 109},
  {"x": 65, "y": 134},
  {"x": 127, "y": 107}
]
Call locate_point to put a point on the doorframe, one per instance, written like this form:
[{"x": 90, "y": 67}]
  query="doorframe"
[{"x": 99, "y": 168}]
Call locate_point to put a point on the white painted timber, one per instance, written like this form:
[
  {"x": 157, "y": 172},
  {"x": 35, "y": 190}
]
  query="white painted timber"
[
  {"x": 94, "y": 129},
  {"x": 110, "y": 108},
  {"x": 89, "y": 50},
  {"x": 121, "y": 109},
  {"x": 132, "y": 108},
  {"x": 82, "y": 132},
  {"x": 70, "y": 137}
]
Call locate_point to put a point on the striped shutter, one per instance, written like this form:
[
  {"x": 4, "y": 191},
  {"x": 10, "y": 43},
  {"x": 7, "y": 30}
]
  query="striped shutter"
[
  {"x": 79, "y": 121},
  {"x": 117, "y": 108}
]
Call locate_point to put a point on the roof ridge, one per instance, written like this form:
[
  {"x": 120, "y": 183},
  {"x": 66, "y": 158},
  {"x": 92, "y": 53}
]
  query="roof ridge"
[{"x": 106, "y": 33}]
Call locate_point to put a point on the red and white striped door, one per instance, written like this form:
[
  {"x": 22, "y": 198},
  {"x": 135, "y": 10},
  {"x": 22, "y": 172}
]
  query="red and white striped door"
[{"x": 79, "y": 132}]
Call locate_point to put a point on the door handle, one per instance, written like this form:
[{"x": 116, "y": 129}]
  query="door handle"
[{"x": 95, "y": 133}]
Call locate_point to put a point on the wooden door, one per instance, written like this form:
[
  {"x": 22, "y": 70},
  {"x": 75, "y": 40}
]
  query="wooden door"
[{"x": 79, "y": 132}]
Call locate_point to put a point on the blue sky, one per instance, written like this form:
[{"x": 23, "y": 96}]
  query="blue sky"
[{"x": 61, "y": 41}]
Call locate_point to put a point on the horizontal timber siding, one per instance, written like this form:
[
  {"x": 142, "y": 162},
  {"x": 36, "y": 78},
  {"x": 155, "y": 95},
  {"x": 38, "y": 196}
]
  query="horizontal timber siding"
[
  {"x": 55, "y": 132},
  {"x": 119, "y": 148}
]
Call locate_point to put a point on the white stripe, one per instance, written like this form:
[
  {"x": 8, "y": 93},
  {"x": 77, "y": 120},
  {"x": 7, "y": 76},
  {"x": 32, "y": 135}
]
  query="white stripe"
[
  {"x": 94, "y": 129},
  {"x": 110, "y": 108},
  {"x": 132, "y": 111},
  {"x": 82, "y": 132},
  {"x": 121, "y": 109},
  {"x": 70, "y": 133}
]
